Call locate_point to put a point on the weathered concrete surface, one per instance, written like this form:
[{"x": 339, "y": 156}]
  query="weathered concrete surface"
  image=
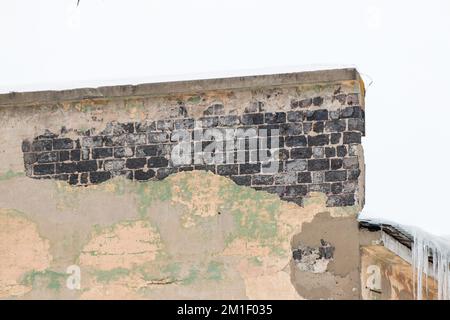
[
  {"x": 192, "y": 235},
  {"x": 163, "y": 240}
]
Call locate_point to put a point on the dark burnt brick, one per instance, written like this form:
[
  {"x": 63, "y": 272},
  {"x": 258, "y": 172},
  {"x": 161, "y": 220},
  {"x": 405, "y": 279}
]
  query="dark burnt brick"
[
  {"x": 341, "y": 151},
  {"x": 158, "y": 137},
  {"x": 274, "y": 117},
  {"x": 99, "y": 176},
  {"x": 261, "y": 179},
  {"x": 47, "y": 135},
  {"x": 142, "y": 175},
  {"x": 335, "y": 138},
  {"x": 319, "y": 187},
  {"x": 317, "y": 115},
  {"x": 272, "y": 167},
  {"x": 61, "y": 177},
  {"x": 163, "y": 149},
  {"x": 203, "y": 167},
  {"x": 252, "y": 118},
  {"x": 125, "y": 152},
  {"x": 184, "y": 124},
  {"x": 317, "y": 101},
  {"x": 88, "y": 165},
  {"x": 128, "y": 127},
  {"x": 45, "y": 157},
  {"x": 92, "y": 142},
  {"x": 352, "y": 99},
  {"x": 249, "y": 168},
  {"x": 73, "y": 179},
  {"x": 335, "y": 126},
  {"x": 341, "y": 200},
  {"x": 157, "y": 162},
  {"x": 146, "y": 151},
  {"x": 330, "y": 152},
  {"x": 135, "y": 139},
  {"x": 305, "y": 103},
  {"x": 352, "y": 137},
  {"x": 298, "y": 190},
  {"x": 26, "y": 146},
  {"x": 42, "y": 145},
  {"x": 352, "y": 112},
  {"x": 210, "y": 122},
  {"x": 304, "y": 177},
  {"x": 336, "y": 188},
  {"x": 41, "y": 169},
  {"x": 75, "y": 155},
  {"x": 146, "y": 126},
  {"x": 282, "y": 154},
  {"x": 64, "y": 155},
  {"x": 333, "y": 176},
  {"x": 295, "y": 116},
  {"x": 353, "y": 174},
  {"x": 101, "y": 153},
  {"x": 163, "y": 173},
  {"x": 296, "y": 200},
  {"x": 291, "y": 129},
  {"x": 166, "y": 124},
  {"x": 341, "y": 97},
  {"x": 350, "y": 163},
  {"x": 230, "y": 120},
  {"x": 185, "y": 168},
  {"x": 66, "y": 167},
  {"x": 356, "y": 125},
  {"x": 214, "y": 109},
  {"x": 63, "y": 143},
  {"x": 318, "y": 140},
  {"x": 84, "y": 178},
  {"x": 29, "y": 158},
  {"x": 85, "y": 154},
  {"x": 301, "y": 153},
  {"x": 228, "y": 169},
  {"x": 307, "y": 127},
  {"x": 296, "y": 141},
  {"x": 318, "y": 164},
  {"x": 279, "y": 190},
  {"x": 242, "y": 180},
  {"x": 253, "y": 107},
  {"x": 336, "y": 164},
  {"x": 318, "y": 127}
]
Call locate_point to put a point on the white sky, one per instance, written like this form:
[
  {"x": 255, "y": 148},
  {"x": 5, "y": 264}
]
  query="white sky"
[{"x": 403, "y": 46}]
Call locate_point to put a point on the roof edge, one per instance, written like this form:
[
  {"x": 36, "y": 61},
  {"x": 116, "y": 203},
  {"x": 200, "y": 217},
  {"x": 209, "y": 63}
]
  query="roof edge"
[{"x": 178, "y": 87}]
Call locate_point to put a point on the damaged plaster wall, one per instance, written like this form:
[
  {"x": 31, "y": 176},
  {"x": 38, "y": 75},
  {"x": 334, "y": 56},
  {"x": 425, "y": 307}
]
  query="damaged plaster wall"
[{"x": 196, "y": 232}]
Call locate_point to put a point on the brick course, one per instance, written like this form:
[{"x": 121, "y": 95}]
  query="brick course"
[{"x": 316, "y": 149}]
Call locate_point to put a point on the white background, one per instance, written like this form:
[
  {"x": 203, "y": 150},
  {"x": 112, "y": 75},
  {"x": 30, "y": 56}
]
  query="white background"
[{"x": 402, "y": 46}]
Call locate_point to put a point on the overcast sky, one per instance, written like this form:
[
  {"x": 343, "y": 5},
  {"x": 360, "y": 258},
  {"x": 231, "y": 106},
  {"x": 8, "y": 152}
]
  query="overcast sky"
[{"x": 402, "y": 49}]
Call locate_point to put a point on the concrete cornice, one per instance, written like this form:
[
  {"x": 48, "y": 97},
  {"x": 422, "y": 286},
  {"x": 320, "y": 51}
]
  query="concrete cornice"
[{"x": 177, "y": 87}]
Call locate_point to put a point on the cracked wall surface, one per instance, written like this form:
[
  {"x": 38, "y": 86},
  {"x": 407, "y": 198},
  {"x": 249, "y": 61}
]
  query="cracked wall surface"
[{"x": 139, "y": 227}]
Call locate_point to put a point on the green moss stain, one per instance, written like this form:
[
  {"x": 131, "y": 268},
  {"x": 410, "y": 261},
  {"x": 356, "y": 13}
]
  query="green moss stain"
[
  {"x": 150, "y": 192},
  {"x": 172, "y": 269},
  {"x": 107, "y": 276},
  {"x": 10, "y": 174},
  {"x": 214, "y": 271},
  {"x": 191, "y": 277},
  {"x": 51, "y": 279},
  {"x": 194, "y": 99}
]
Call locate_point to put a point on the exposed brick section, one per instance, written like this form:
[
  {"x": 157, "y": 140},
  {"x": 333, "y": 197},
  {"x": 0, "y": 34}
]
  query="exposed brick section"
[{"x": 316, "y": 148}]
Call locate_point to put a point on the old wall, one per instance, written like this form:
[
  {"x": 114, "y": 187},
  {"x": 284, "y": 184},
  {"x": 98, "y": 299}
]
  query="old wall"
[{"x": 129, "y": 192}]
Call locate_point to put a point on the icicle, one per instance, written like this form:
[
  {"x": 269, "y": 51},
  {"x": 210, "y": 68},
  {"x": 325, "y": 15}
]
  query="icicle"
[{"x": 425, "y": 246}]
